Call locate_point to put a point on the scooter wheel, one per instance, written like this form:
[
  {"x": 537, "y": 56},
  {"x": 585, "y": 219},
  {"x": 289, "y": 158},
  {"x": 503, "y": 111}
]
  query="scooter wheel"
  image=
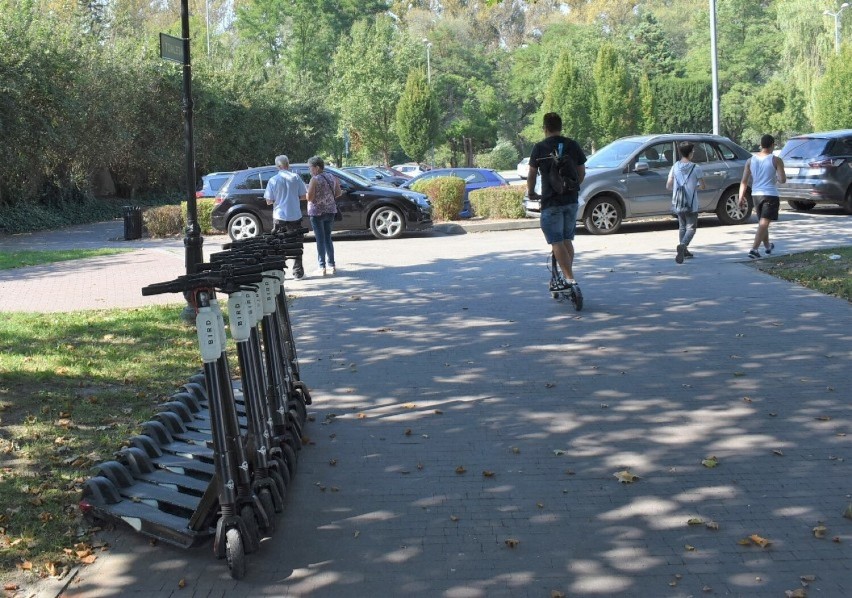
[
  {"x": 268, "y": 505},
  {"x": 289, "y": 458},
  {"x": 278, "y": 466},
  {"x": 249, "y": 518},
  {"x": 577, "y": 298},
  {"x": 554, "y": 295},
  {"x": 235, "y": 554}
]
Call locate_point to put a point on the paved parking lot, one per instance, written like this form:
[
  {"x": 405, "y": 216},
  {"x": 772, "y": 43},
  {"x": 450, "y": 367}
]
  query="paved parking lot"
[{"x": 467, "y": 429}]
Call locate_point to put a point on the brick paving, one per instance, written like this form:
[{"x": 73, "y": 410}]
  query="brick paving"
[{"x": 434, "y": 352}]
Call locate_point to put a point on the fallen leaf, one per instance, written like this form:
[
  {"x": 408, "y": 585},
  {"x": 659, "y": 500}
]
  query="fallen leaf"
[
  {"x": 744, "y": 542},
  {"x": 516, "y": 450},
  {"x": 706, "y": 589},
  {"x": 332, "y": 462},
  {"x": 419, "y": 466},
  {"x": 689, "y": 548},
  {"x": 335, "y": 489},
  {"x": 625, "y": 477},
  {"x": 454, "y": 518},
  {"x": 408, "y": 432},
  {"x": 460, "y": 469},
  {"x": 549, "y": 385},
  {"x": 823, "y": 418},
  {"x": 89, "y": 559},
  {"x": 673, "y": 583},
  {"x": 820, "y": 531},
  {"x": 356, "y": 534},
  {"x": 710, "y": 462},
  {"x": 847, "y": 513},
  {"x": 777, "y": 452},
  {"x": 739, "y": 374},
  {"x": 569, "y": 472},
  {"x": 409, "y": 406},
  {"x": 182, "y": 583},
  {"x": 488, "y": 474},
  {"x": 511, "y": 542},
  {"x": 800, "y": 593},
  {"x": 10, "y": 587},
  {"x": 25, "y": 566},
  {"x": 836, "y": 539},
  {"x": 558, "y": 452},
  {"x": 711, "y": 525},
  {"x": 695, "y": 521},
  {"x": 556, "y": 594},
  {"x": 762, "y": 542},
  {"x": 747, "y": 399},
  {"x": 438, "y": 412},
  {"x": 361, "y": 416},
  {"x": 808, "y": 578}
]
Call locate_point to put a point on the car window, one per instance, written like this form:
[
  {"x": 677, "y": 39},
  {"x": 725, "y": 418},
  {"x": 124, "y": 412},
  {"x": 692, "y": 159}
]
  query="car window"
[
  {"x": 841, "y": 147},
  {"x": 252, "y": 181},
  {"x": 658, "y": 155},
  {"x": 804, "y": 147},
  {"x": 217, "y": 182},
  {"x": 726, "y": 152},
  {"x": 702, "y": 152},
  {"x": 613, "y": 154},
  {"x": 470, "y": 176},
  {"x": 265, "y": 176}
]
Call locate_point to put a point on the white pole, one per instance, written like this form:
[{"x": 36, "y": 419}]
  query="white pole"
[{"x": 714, "y": 67}]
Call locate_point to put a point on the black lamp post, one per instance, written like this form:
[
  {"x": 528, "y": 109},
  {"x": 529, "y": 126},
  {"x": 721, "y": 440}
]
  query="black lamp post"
[{"x": 193, "y": 240}]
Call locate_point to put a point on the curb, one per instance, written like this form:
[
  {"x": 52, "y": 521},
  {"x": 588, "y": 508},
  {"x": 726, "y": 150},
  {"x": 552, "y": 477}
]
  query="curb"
[{"x": 462, "y": 228}]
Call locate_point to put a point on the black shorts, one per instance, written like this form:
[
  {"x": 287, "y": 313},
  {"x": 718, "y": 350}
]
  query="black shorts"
[{"x": 766, "y": 206}]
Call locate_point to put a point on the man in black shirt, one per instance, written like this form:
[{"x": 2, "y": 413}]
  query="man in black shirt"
[{"x": 558, "y": 210}]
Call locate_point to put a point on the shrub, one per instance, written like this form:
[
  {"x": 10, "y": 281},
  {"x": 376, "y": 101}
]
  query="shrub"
[
  {"x": 446, "y": 194},
  {"x": 503, "y": 156},
  {"x": 164, "y": 221},
  {"x": 498, "y": 202},
  {"x": 204, "y": 207}
]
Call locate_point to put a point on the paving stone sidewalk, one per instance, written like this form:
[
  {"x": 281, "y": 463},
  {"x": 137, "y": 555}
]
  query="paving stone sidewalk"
[{"x": 467, "y": 429}]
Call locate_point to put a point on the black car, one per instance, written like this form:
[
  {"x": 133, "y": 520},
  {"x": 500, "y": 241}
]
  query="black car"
[
  {"x": 378, "y": 175},
  {"x": 385, "y": 211},
  {"x": 819, "y": 170}
]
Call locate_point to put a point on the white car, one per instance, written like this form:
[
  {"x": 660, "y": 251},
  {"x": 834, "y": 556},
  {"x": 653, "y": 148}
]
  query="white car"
[
  {"x": 524, "y": 168},
  {"x": 411, "y": 169}
]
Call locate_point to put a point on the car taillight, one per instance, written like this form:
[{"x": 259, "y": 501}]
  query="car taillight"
[
  {"x": 218, "y": 199},
  {"x": 199, "y": 194},
  {"x": 826, "y": 163}
]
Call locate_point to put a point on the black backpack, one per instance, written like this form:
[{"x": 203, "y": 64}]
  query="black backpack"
[{"x": 563, "y": 175}]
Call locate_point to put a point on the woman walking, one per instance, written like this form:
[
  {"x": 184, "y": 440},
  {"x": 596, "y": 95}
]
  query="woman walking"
[
  {"x": 685, "y": 178},
  {"x": 322, "y": 207}
]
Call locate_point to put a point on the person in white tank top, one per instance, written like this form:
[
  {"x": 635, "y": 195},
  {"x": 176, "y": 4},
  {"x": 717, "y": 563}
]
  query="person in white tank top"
[{"x": 763, "y": 172}]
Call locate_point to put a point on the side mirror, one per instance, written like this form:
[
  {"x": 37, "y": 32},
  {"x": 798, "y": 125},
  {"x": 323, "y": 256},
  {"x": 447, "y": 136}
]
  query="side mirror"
[{"x": 641, "y": 167}]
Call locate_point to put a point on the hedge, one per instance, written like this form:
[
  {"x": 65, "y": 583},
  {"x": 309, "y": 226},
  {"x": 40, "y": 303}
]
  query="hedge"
[
  {"x": 446, "y": 194},
  {"x": 498, "y": 202},
  {"x": 205, "y": 209}
]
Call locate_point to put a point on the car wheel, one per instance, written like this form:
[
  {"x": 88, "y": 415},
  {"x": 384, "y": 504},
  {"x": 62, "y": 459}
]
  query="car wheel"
[
  {"x": 387, "y": 223},
  {"x": 603, "y": 216},
  {"x": 847, "y": 205},
  {"x": 729, "y": 209},
  {"x": 244, "y": 226},
  {"x": 801, "y": 206}
]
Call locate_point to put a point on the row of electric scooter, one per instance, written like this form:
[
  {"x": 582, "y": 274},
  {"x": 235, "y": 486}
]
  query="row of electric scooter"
[{"x": 216, "y": 459}]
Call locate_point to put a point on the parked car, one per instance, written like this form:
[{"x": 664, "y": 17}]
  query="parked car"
[
  {"x": 385, "y": 211},
  {"x": 524, "y": 168},
  {"x": 474, "y": 178},
  {"x": 375, "y": 174},
  {"x": 211, "y": 183},
  {"x": 819, "y": 170},
  {"x": 627, "y": 179},
  {"x": 411, "y": 169}
]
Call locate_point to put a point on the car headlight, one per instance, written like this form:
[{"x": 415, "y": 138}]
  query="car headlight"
[{"x": 418, "y": 198}]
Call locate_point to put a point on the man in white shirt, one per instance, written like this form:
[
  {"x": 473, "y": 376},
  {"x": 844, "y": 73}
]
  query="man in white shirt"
[
  {"x": 764, "y": 171},
  {"x": 284, "y": 192}
]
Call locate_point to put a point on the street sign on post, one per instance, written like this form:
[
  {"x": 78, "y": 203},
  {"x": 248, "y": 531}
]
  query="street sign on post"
[{"x": 171, "y": 48}]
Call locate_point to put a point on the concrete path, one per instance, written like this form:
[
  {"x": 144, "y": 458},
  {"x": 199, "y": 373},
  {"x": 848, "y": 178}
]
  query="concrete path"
[{"x": 467, "y": 428}]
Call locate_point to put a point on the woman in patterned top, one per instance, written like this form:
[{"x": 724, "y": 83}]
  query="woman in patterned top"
[{"x": 322, "y": 191}]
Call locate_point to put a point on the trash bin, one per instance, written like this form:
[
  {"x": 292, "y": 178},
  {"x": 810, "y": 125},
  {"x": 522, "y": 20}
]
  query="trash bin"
[{"x": 132, "y": 223}]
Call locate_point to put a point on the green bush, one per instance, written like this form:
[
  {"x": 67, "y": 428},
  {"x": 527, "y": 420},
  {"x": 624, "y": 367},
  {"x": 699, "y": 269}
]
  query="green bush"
[
  {"x": 205, "y": 209},
  {"x": 503, "y": 156},
  {"x": 498, "y": 202},
  {"x": 446, "y": 194},
  {"x": 165, "y": 221}
]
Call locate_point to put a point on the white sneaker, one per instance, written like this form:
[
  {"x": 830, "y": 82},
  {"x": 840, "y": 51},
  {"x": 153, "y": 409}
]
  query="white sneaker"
[
  {"x": 320, "y": 272},
  {"x": 332, "y": 270}
]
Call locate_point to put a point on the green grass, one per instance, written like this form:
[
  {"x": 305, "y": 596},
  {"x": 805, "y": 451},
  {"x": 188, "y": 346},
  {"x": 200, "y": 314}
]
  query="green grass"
[
  {"x": 815, "y": 270},
  {"x": 73, "y": 388},
  {"x": 22, "y": 259}
]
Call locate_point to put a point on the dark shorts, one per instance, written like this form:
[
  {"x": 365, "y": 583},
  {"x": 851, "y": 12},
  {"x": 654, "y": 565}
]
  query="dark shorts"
[
  {"x": 558, "y": 223},
  {"x": 766, "y": 206}
]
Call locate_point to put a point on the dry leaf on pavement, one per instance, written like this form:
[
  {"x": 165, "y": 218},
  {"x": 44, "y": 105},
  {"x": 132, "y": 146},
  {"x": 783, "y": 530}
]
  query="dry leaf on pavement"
[
  {"x": 762, "y": 542},
  {"x": 820, "y": 531},
  {"x": 625, "y": 477},
  {"x": 800, "y": 593},
  {"x": 695, "y": 521},
  {"x": 511, "y": 542},
  {"x": 710, "y": 462},
  {"x": 460, "y": 469}
]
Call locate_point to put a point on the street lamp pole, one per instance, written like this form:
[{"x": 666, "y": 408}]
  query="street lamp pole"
[
  {"x": 429, "y": 83},
  {"x": 193, "y": 239},
  {"x": 714, "y": 67},
  {"x": 836, "y": 16}
]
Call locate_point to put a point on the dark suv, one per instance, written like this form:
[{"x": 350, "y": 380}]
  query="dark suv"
[
  {"x": 387, "y": 212},
  {"x": 819, "y": 170},
  {"x": 627, "y": 179}
]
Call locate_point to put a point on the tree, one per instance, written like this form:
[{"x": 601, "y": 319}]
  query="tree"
[
  {"x": 647, "y": 106},
  {"x": 651, "y": 50},
  {"x": 683, "y": 105},
  {"x": 570, "y": 95},
  {"x": 416, "y": 116},
  {"x": 371, "y": 68},
  {"x": 615, "y": 105},
  {"x": 832, "y": 109}
]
